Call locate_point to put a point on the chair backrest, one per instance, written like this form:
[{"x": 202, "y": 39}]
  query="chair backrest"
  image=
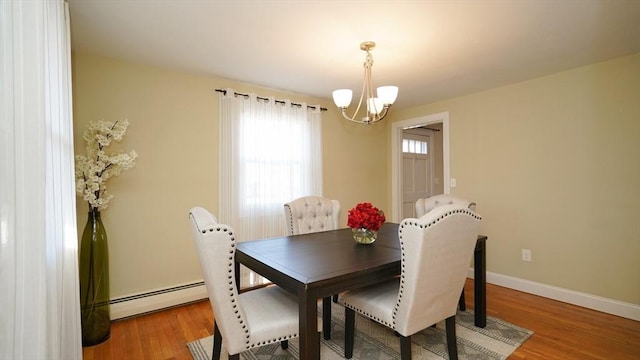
[
  {"x": 425, "y": 205},
  {"x": 311, "y": 214},
  {"x": 215, "y": 244},
  {"x": 436, "y": 253}
]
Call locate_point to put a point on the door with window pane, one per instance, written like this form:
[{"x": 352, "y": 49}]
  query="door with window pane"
[{"x": 417, "y": 168}]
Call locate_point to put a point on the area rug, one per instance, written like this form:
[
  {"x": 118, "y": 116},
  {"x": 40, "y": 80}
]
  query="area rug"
[{"x": 375, "y": 342}]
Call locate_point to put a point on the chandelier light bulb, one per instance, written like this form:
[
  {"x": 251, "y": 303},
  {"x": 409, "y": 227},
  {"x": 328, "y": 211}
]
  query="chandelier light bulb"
[
  {"x": 387, "y": 94},
  {"x": 342, "y": 97}
]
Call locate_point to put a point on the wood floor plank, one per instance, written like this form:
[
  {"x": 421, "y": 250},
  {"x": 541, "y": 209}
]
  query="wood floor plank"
[{"x": 562, "y": 331}]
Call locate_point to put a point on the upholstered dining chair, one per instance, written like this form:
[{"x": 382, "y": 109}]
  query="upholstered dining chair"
[
  {"x": 242, "y": 321},
  {"x": 436, "y": 250},
  {"x": 425, "y": 205},
  {"x": 310, "y": 214}
]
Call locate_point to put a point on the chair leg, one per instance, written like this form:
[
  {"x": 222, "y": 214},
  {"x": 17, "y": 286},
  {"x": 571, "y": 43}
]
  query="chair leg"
[
  {"x": 319, "y": 344},
  {"x": 217, "y": 343},
  {"x": 461, "y": 304},
  {"x": 349, "y": 332},
  {"x": 326, "y": 317},
  {"x": 405, "y": 347},
  {"x": 284, "y": 344},
  {"x": 452, "y": 346}
]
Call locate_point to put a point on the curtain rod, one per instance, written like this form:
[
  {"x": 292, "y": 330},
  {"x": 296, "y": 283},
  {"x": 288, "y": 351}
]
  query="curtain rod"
[{"x": 264, "y": 98}]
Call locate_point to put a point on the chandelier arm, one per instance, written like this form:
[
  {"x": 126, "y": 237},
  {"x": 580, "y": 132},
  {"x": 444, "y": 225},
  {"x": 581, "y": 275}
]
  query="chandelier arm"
[
  {"x": 375, "y": 118},
  {"x": 344, "y": 114},
  {"x": 372, "y": 119},
  {"x": 367, "y": 79},
  {"x": 362, "y": 94},
  {"x": 383, "y": 113},
  {"x": 364, "y": 84}
]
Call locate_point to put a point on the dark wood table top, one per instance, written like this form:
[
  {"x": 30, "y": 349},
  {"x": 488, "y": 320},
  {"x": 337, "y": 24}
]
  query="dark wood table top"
[{"x": 326, "y": 260}]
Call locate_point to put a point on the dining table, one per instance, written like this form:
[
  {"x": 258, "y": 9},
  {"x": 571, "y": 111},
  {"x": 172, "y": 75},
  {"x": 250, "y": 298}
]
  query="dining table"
[{"x": 319, "y": 265}]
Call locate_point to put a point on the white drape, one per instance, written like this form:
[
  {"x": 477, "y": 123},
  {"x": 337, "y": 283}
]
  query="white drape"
[
  {"x": 39, "y": 301},
  {"x": 270, "y": 154}
]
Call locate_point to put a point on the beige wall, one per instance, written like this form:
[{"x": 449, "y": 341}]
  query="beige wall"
[
  {"x": 554, "y": 165},
  {"x": 174, "y": 128}
]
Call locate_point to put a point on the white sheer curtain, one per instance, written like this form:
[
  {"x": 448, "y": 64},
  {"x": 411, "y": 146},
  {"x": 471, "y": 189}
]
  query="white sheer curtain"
[
  {"x": 270, "y": 154},
  {"x": 39, "y": 301}
]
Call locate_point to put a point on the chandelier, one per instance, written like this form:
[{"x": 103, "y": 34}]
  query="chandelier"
[{"x": 377, "y": 103}]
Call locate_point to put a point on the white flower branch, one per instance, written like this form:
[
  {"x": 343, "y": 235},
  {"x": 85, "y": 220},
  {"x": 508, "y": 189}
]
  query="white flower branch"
[{"x": 96, "y": 167}]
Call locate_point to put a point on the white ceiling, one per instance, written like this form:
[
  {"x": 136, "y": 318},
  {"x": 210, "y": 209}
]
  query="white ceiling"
[{"x": 431, "y": 49}]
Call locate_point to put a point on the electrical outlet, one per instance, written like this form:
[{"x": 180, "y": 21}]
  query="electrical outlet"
[
  {"x": 453, "y": 182},
  {"x": 526, "y": 255}
]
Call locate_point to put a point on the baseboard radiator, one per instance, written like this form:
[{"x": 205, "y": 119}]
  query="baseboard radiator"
[
  {"x": 147, "y": 302},
  {"x": 151, "y": 301}
]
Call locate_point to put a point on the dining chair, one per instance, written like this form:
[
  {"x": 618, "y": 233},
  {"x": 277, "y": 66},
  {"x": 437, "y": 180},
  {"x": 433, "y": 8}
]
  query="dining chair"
[
  {"x": 310, "y": 214},
  {"x": 435, "y": 254},
  {"x": 424, "y": 205},
  {"x": 242, "y": 320}
]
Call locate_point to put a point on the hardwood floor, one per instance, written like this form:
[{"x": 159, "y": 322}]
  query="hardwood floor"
[{"x": 562, "y": 331}]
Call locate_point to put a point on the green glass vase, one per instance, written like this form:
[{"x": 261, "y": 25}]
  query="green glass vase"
[{"x": 94, "y": 282}]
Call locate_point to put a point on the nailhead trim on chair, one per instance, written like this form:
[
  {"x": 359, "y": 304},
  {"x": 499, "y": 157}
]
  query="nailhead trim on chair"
[
  {"x": 231, "y": 283},
  {"x": 402, "y": 274},
  {"x": 290, "y": 218},
  {"x": 231, "y": 279},
  {"x": 280, "y": 339}
]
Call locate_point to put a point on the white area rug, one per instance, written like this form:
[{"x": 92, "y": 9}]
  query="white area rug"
[{"x": 375, "y": 342}]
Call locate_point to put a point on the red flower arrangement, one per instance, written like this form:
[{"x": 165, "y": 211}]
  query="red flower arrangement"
[{"x": 365, "y": 216}]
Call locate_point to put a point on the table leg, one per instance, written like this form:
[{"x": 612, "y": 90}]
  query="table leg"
[
  {"x": 236, "y": 269},
  {"x": 309, "y": 341},
  {"x": 326, "y": 317},
  {"x": 461, "y": 304},
  {"x": 480, "y": 283}
]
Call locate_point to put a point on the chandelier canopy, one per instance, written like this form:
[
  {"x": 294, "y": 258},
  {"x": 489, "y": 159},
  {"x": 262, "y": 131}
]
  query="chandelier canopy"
[{"x": 377, "y": 103}]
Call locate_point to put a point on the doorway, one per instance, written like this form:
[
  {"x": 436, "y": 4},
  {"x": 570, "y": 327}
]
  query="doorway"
[
  {"x": 400, "y": 203},
  {"x": 417, "y": 167}
]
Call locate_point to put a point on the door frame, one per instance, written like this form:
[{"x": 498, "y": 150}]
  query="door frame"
[{"x": 396, "y": 155}]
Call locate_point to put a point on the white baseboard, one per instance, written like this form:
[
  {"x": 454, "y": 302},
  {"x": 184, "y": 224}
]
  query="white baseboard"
[
  {"x": 156, "y": 300},
  {"x": 606, "y": 305},
  {"x": 160, "y": 299}
]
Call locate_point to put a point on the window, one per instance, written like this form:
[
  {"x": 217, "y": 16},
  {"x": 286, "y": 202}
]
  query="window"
[
  {"x": 270, "y": 154},
  {"x": 273, "y": 160},
  {"x": 414, "y": 146}
]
